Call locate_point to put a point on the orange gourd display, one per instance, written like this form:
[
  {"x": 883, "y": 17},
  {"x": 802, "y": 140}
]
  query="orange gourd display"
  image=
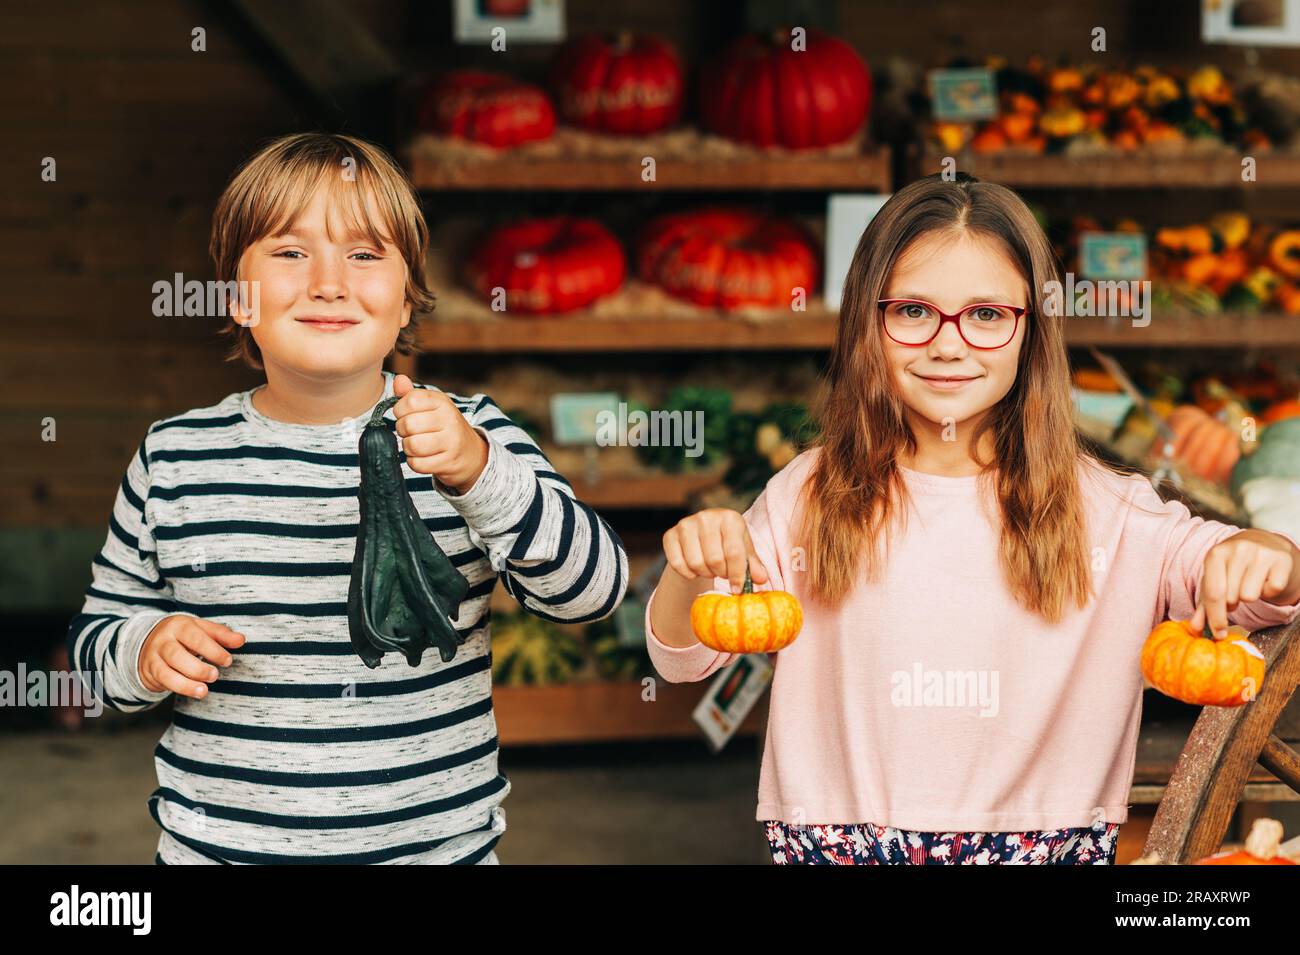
[
  {"x": 1207, "y": 446},
  {"x": 752, "y": 621},
  {"x": 1198, "y": 669},
  {"x": 1261, "y": 847}
]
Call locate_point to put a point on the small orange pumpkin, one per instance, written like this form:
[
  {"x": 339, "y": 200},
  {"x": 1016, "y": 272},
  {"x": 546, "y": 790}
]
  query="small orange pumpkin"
[
  {"x": 1183, "y": 664},
  {"x": 1261, "y": 847},
  {"x": 752, "y": 621}
]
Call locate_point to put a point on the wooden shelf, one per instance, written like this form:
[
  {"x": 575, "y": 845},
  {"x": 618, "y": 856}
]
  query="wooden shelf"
[
  {"x": 585, "y": 333},
  {"x": 1124, "y": 170},
  {"x": 811, "y": 330},
  {"x": 556, "y": 166},
  {"x": 1227, "y": 330},
  {"x": 604, "y": 712},
  {"x": 622, "y": 491}
]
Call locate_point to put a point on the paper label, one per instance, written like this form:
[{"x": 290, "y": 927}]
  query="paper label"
[
  {"x": 961, "y": 95},
  {"x": 1113, "y": 255},
  {"x": 731, "y": 696}
]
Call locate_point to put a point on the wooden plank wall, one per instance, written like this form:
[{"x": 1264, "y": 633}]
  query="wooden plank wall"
[{"x": 146, "y": 132}]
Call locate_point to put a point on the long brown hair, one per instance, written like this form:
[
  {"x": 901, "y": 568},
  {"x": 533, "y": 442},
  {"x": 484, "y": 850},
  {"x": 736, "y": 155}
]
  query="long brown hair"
[{"x": 855, "y": 489}]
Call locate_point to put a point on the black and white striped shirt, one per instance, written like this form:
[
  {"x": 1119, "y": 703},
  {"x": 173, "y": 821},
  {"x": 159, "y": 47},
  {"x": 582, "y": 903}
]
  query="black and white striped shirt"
[{"x": 299, "y": 752}]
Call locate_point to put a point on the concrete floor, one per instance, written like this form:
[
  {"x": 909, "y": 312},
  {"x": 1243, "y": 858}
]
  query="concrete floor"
[{"x": 79, "y": 798}]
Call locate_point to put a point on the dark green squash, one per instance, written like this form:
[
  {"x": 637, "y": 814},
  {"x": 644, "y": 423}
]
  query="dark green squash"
[{"x": 403, "y": 586}]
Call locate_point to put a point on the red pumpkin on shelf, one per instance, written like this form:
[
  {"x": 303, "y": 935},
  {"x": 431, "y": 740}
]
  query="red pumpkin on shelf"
[
  {"x": 765, "y": 92},
  {"x": 727, "y": 259},
  {"x": 548, "y": 265},
  {"x": 487, "y": 108},
  {"x": 629, "y": 84}
]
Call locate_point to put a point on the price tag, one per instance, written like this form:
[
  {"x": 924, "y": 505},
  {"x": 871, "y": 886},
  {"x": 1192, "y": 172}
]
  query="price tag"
[
  {"x": 575, "y": 417},
  {"x": 961, "y": 95},
  {"x": 629, "y": 620},
  {"x": 731, "y": 696},
  {"x": 1113, "y": 255},
  {"x": 847, "y": 215}
]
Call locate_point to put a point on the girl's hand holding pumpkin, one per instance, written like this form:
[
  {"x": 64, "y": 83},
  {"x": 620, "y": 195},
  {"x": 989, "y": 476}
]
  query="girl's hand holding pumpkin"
[
  {"x": 436, "y": 437},
  {"x": 1251, "y": 565},
  {"x": 714, "y": 543},
  {"x": 180, "y": 651}
]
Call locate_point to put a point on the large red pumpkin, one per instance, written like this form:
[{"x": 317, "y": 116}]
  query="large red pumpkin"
[
  {"x": 765, "y": 93},
  {"x": 626, "y": 83},
  {"x": 487, "y": 108},
  {"x": 548, "y": 265},
  {"x": 725, "y": 258}
]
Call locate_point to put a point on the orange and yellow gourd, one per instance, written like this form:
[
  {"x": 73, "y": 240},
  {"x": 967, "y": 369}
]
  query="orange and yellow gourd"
[{"x": 752, "y": 621}]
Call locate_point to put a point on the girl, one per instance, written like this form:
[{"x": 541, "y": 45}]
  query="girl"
[
  {"x": 224, "y": 578},
  {"x": 977, "y": 587}
]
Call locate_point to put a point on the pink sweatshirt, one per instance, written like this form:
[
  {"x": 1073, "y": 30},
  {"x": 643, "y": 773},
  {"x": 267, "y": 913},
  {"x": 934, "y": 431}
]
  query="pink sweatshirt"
[{"x": 932, "y": 701}]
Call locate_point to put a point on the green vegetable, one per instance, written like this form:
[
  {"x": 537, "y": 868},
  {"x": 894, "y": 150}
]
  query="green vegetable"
[
  {"x": 403, "y": 585},
  {"x": 616, "y": 660},
  {"x": 529, "y": 651},
  {"x": 1278, "y": 455},
  {"x": 715, "y": 403},
  {"x": 751, "y": 467}
]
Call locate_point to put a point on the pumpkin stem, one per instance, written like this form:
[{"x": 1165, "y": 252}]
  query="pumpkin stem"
[
  {"x": 377, "y": 416},
  {"x": 749, "y": 583},
  {"x": 1206, "y": 631}
]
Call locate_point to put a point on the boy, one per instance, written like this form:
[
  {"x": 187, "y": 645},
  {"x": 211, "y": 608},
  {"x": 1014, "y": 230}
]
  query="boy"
[{"x": 231, "y": 541}]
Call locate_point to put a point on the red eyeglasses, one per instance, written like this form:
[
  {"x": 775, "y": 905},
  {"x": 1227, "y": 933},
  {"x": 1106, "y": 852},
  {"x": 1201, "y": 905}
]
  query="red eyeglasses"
[{"x": 985, "y": 325}]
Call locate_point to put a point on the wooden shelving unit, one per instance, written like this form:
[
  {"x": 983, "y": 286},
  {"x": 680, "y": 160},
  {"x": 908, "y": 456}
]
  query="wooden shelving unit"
[{"x": 1217, "y": 170}]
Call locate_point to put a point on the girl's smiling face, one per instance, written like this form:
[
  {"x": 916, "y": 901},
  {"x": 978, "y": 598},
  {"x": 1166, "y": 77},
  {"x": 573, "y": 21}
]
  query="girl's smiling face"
[
  {"x": 330, "y": 303},
  {"x": 953, "y": 271}
]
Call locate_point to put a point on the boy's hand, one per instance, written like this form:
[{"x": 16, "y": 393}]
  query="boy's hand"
[
  {"x": 1248, "y": 566},
  {"x": 436, "y": 437},
  {"x": 170, "y": 657}
]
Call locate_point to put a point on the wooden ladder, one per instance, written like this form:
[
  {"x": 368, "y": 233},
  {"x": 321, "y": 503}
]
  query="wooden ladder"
[{"x": 1224, "y": 745}]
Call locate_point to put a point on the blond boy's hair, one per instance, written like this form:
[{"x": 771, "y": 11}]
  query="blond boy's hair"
[{"x": 273, "y": 187}]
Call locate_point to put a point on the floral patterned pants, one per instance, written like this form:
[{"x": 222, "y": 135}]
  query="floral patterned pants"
[{"x": 869, "y": 844}]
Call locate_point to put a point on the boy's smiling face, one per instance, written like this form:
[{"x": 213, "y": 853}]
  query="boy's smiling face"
[
  {"x": 330, "y": 304},
  {"x": 951, "y": 273}
]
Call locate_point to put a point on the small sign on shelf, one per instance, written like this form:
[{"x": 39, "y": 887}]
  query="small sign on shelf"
[
  {"x": 1113, "y": 255},
  {"x": 498, "y": 22},
  {"x": 575, "y": 416},
  {"x": 961, "y": 95},
  {"x": 847, "y": 214}
]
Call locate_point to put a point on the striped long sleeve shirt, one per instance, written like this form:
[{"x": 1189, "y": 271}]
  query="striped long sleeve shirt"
[{"x": 299, "y": 752}]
